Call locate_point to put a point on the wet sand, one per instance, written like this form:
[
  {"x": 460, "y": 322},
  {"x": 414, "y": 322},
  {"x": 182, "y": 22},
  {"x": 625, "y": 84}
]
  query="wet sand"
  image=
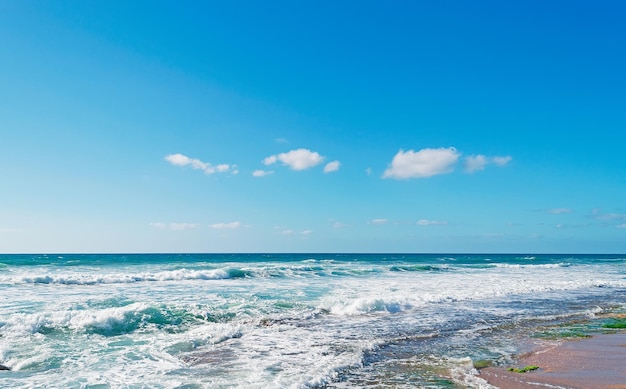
[{"x": 598, "y": 362}]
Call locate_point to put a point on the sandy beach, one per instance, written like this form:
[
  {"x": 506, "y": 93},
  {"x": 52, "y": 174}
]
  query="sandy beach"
[{"x": 590, "y": 363}]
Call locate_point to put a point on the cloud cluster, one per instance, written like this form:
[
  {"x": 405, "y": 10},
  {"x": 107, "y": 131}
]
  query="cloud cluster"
[
  {"x": 299, "y": 159},
  {"x": 430, "y": 162},
  {"x": 262, "y": 173},
  {"x": 559, "y": 211},
  {"x": 421, "y": 222},
  {"x": 609, "y": 218},
  {"x": 288, "y": 231},
  {"x": 478, "y": 162},
  {"x": 175, "y": 226},
  {"x": 226, "y": 226},
  {"x": 425, "y": 222},
  {"x": 193, "y": 226},
  {"x": 332, "y": 166},
  {"x": 183, "y": 160},
  {"x": 423, "y": 163},
  {"x": 408, "y": 164}
]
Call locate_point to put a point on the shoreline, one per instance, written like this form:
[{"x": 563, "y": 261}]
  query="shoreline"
[{"x": 596, "y": 362}]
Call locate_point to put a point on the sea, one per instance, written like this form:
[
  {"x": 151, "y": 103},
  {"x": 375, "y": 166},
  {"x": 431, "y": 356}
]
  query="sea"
[{"x": 288, "y": 320}]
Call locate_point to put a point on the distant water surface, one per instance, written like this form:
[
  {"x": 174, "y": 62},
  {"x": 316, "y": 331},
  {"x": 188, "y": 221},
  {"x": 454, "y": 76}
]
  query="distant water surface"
[{"x": 285, "y": 320}]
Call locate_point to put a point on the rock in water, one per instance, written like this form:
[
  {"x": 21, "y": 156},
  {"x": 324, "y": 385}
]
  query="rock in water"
[{"x": 2, "y": 367}]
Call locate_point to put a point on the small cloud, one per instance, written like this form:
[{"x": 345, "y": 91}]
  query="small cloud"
[
  {"x": 262, "y": 173},
  {"x": 299, "y": 159},
  {"x": 598, "y": 215},
  {"x": 623, "y": 225},
  {"x": 379, "y": 222},
  {"x": 368, "y": 171},
  {"x": 175, "y": 226},
  {"x": 501, "y": 161},
  {"x": 559, "y": 211},
  {"x": 222, "y": 168},
  {"x": 422, "y": 164},
  {"x": 332, "y": 166},
  {"x": 339, "y": 225},
  {"x": 183, "y": 226},
  {"x": 281, "y": 140},
  {"x": 475, "y": 163},
  {"x": 226, "y": 226},
  {"x": 270, "y": 160},
  {"x": 425, "y": 222},
  {"x": 288, "y": 231},
  {"x": 183, "y": 160}
]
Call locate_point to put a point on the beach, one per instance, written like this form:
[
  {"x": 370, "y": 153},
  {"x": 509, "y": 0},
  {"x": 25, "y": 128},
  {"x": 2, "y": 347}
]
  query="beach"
[{"x": 596, "y": 362}]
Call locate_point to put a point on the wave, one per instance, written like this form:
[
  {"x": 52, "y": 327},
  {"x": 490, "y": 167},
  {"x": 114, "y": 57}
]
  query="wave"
[
  {"x": 97, "y": 276},
  {"x": 110, "y": 321},
  {"x": 536, "y": 266},
  {"x": 120, "y": 278},
  {"x": 418, "y": 268}
]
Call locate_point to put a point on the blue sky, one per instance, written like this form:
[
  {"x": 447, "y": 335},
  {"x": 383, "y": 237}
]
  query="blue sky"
[{"x": 447, "y": 126}]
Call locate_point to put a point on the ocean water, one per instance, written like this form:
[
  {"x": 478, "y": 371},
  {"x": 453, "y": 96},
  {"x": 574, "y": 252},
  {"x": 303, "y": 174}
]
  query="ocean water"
[{"x": 285, "y": 320}]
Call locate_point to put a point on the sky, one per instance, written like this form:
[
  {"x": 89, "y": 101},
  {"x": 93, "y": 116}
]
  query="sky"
[{"x": 300, "y": 126}]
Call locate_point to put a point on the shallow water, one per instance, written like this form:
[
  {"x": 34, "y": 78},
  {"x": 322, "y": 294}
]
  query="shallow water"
[{"x": 289, "y": 320}]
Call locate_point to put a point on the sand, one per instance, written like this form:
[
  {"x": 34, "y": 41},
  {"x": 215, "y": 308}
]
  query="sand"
[{"x": 598, "y": 362}]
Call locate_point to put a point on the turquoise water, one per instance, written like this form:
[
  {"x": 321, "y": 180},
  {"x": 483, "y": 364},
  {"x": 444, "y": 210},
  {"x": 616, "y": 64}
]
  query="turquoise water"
[{"x": 285, "y": 320}]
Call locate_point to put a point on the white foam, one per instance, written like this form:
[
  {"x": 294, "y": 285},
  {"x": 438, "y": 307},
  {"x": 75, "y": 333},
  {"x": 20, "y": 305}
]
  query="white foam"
[
  {"x": 463, "y": 372},
  {"x": 94, "y": 278}
]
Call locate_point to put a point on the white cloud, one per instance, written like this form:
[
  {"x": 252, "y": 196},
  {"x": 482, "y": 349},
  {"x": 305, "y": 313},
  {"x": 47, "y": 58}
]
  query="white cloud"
[
  {"x": 478, "y": 162},
  {"x": 423, "y": 163},
  {"x": 178, "y": 159},
  {"x": 183, "y": 226},
  {"x": 270, "y": 160},
  {"x": 222, "y": 168},
  {"x": 598, "y": 215},
  {"x": 226, "y": 226},
  {"x": 299, "y": 159},
  {"x": 288, "y": 231},
  {"x": 175, "y": 226},
  {"x": 339, "y": 225},
  {"x": 475, "y": 163},
  {"x": 559, "y": 211},
  {"x": 281, "y": 140},
  {"x": 424, "y": 222},
  {"x": 262, "y": 173},
  {"x": 183, "y": 160},
  {"x": 623, "y": 225},
  {"x": 368, "y": 171},
  {"x": 501, "y": 161},
  {"x": 332, "y": 166},
  {"x": 379, "y": 221}
]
